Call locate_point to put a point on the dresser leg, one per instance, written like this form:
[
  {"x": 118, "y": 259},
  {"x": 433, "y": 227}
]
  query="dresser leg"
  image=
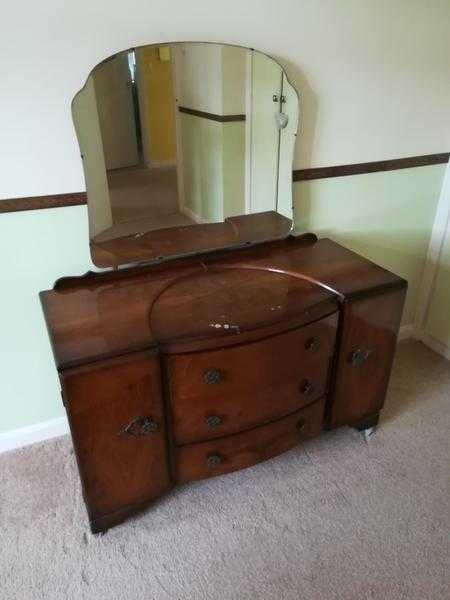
[
  {"x": 101, "y": 524},
  {"x": 98, "y": 529}
]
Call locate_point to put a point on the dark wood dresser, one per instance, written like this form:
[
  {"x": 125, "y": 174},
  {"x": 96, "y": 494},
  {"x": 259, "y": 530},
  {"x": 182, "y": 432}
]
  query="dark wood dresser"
[{"x": 200, "y": 366}]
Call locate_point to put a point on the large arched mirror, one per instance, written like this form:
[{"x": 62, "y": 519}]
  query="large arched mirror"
[{"x": 186, "y": 147}]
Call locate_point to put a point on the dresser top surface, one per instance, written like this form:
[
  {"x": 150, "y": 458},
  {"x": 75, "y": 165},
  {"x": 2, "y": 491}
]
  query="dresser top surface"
[
  {"x": 225, "y": 304},
  {"x": 264, "y": 289}
]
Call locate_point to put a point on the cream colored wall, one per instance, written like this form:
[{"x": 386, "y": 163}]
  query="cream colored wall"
[
  {"x": 200, "y": 77},
  {"x": 374, "y": 83},
  {"x": 373, "y": 75},
  {"x": 234, "y": 78},
  {"x": 438, "y": 321},
  {"x": 437, "y": 306}
]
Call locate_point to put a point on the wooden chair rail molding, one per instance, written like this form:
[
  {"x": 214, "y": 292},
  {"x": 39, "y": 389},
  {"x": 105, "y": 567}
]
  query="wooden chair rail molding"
[
  {"x": 371, "y": 167},
  {"x": 38, "y": 202},
  {"x": 79, "y": 198},
  {"x": 211, "y": 116}
]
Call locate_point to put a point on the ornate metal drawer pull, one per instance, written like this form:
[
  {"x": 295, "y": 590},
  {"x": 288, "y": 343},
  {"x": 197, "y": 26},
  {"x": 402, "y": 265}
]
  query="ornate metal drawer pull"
[
  {"x": 306, "y": 387},
  {"x": 359, "y": 356},
  {"x": 211, "y": 376},
  {"x": 213, "y": 421},
  {"x": 312, "y": 344},
  {"x": 140, "y": 426},
  {"x": 213, "y": 460}
]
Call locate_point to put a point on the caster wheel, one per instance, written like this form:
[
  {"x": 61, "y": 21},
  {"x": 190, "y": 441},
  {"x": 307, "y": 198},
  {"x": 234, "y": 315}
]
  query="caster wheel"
[
  {"x": 369, "y": 432},
  {"x": 368, "y": 425}
]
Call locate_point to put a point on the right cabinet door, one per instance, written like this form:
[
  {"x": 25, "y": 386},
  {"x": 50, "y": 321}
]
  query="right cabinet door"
[{"x": 368, "y": 340}]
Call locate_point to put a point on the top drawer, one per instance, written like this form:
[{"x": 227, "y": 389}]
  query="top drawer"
[{"x": 224, "y": 391}]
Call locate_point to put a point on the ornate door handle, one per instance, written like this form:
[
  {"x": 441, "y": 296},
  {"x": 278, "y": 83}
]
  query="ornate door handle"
[{"x": 140, "y": 426}]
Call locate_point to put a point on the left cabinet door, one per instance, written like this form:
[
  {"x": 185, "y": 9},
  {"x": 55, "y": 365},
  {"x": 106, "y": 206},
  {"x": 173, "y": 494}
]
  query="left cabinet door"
[{"x": 116, "y": 417}]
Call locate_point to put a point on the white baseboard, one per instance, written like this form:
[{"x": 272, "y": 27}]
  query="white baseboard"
[
  {"x": 192, "y": 215},
  {"x": 406, "y": 332},
  {"x": 435, "y": 345},
  {"x": 11, "y": 440}
]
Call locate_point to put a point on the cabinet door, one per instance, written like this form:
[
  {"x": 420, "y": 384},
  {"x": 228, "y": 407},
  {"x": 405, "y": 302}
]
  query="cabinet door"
[
  {"x": 116, "y": 417},
  {"x": 367, "y": 347}
]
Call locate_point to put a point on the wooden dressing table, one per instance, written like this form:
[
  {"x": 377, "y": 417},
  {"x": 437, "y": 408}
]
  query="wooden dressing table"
[
  {"x": 200, "y": 366},
  {"x": 215, "y": 338}
]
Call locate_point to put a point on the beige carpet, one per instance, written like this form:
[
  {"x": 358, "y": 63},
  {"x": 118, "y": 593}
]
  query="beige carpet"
[{"x": 337, "y": 518}]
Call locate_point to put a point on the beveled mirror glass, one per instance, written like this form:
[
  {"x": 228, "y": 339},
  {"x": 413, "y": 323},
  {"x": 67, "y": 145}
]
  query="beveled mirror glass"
[{"x": 186, "y": 147}]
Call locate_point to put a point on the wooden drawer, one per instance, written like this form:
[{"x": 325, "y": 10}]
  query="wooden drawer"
[
  {"x": 207, "y": 459},
  {"x": 225, "y": 391}
]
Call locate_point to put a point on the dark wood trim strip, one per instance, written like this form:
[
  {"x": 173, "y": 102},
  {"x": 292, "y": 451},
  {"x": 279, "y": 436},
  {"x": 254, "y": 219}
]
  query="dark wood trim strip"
[
  {"x": 370, "y": 167},
  {"x": 40, "y": 202},
  {"x": 211, "y": 116},
  {"x": 79, "y": 198}
]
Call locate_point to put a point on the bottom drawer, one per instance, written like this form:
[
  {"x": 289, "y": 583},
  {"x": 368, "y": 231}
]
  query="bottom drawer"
[{"x": 215, "y": 457}]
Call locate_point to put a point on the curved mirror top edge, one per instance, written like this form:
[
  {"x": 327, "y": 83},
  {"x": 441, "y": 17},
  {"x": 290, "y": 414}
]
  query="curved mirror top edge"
[{"x": 187, "y": 147}]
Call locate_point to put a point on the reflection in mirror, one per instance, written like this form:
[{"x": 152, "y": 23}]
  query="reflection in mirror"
[{"x": 186, "y": 147}]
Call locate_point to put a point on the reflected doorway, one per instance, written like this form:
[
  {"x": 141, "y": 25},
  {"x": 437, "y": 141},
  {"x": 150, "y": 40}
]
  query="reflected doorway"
[{"x": 136, "y": 108}]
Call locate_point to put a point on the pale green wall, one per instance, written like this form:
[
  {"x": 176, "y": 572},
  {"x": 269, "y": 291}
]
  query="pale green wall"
[
  {"x": 213, "y": 167},
  {"x": 438, "y": 319},
  {"x": 386, "y": 217},
  {"x": 202, "y": 149},
  {"x": 37, "y": 247},
  {"x": 233, "y": 169}
]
